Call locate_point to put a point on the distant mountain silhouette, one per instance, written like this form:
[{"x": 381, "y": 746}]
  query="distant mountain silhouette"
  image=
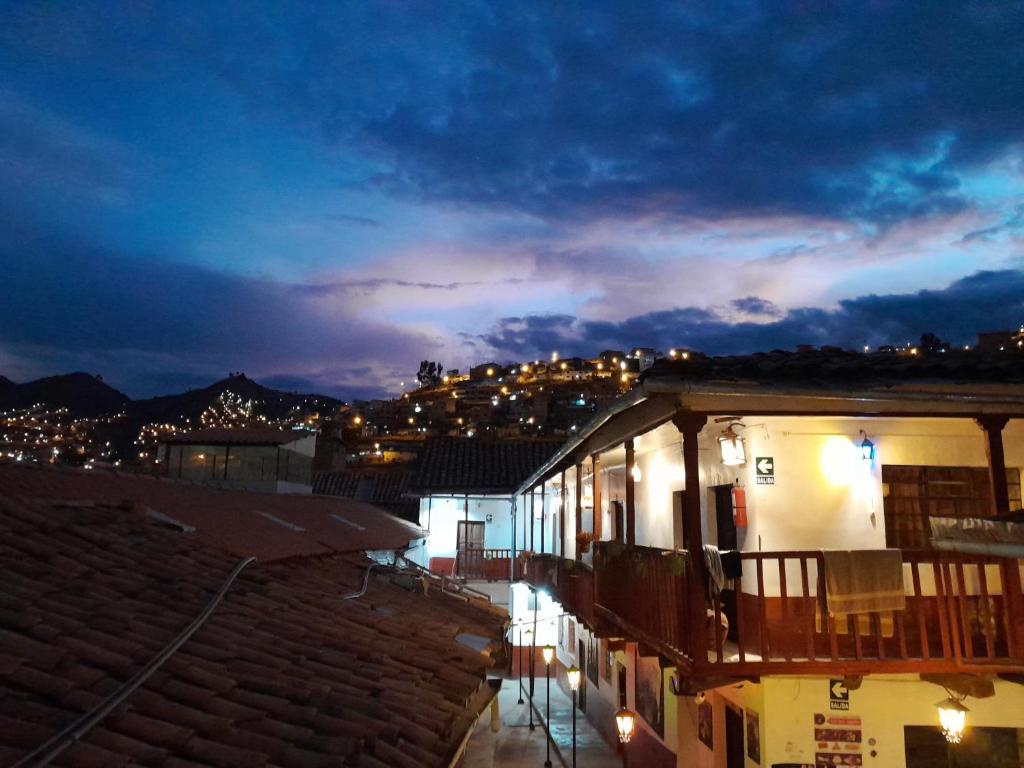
[
  {"x": 274, "y": 403},
  {"x": 86, "y": 395},
  {"x": 81, "y": 393}
]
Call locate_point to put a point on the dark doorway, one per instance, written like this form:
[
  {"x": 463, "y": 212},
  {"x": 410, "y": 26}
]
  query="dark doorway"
[
  {"x": 733, "y": 737},
  {"x": 620, "y": 672},
  {"x": 724, "y": 520},
  {"x": 619, "y": 516},
  {"x": 582, "y": 693}
]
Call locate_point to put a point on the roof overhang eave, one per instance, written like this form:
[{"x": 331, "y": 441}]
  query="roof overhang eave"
[{"x": 636, "y": 397}]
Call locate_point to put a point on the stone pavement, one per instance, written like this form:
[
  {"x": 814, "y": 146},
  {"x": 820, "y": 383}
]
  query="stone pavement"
[{"x": 515, "y": 745}]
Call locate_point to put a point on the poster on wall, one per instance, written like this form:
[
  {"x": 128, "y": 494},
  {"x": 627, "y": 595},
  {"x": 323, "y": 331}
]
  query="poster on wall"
[
  {"x": 609, "y": 661},
  {"x": 649, "y": 702},
  {"x": 572, "y": 636},
  {"x": 753, "y": 737},
  {"x": 593, "y": 658},
  {"x": 705, "y": 724}
]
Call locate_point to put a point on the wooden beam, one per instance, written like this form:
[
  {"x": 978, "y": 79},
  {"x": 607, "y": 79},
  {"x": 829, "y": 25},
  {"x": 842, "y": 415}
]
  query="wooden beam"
[
  {"x": 993, "y": 428},
  {"x": 598, "y": 510},
  {"x": 543, "y": 520},
  {"x": 630, "y": 494},
  {"x": 690, "y": 425}
]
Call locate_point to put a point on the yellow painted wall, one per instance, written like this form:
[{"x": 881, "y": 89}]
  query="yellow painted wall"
[{"x": 885, "y": 704}]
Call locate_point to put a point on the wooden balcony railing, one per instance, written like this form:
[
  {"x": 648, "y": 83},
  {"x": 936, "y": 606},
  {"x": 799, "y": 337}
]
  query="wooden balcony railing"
[
  {"x": 963, "y": 612},
  {"x": 486, "y": 564},
  {"x": 570, "y": 582},
  {"x": 644, "y": 589}
]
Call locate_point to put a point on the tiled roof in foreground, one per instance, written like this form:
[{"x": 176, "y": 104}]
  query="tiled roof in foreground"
[
  {"x": 473, "y": 465},
  {"x": 266, "y": 525},
  {"x": 284, "y": 673}
]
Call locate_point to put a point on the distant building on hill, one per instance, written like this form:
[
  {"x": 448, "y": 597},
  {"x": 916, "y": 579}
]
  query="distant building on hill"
[
  {"x": 1000, "y": 340},
  {"x": 280, "y": 461}
]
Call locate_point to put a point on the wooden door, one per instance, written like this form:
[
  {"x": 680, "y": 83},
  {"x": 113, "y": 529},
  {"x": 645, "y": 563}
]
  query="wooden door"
[{"x": 733, "y": 737}]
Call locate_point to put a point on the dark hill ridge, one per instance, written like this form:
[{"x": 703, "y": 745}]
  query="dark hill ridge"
[
  {"x": 81, "y": 393},
  {"x": 86, "y": 395},
  {"x": 274, "y": 403}
]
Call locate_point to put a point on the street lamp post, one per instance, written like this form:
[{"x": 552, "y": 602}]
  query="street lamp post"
[
  {"x": 625, "y": 721},
  {"x": 549, "y": 654},
  {"x": 573, "y": 674},
  {"x": 529, "y": 641},
  {"x": 520, "y": 666}
]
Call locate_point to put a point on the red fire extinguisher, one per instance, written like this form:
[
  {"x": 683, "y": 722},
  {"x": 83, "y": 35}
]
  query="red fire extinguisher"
[{"x": 739, "y": 506}]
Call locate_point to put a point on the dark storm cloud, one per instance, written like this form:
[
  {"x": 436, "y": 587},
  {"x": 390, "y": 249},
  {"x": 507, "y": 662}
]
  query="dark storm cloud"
[
  {"x": 848, "y": 109},
  {"x": 983, "y": 301},
  {"x": 151, "y": 322}
]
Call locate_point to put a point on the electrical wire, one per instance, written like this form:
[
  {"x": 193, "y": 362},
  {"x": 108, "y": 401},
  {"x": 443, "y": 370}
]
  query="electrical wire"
[{"x": 68, "y": 736}]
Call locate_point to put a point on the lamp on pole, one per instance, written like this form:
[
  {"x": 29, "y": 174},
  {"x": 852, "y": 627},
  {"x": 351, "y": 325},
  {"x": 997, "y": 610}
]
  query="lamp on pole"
[
  {"x": 573, "y": 675},
  {"x": 549, "y": 654},
  {"x": 529, "y": 641},
  {"x": 520, "y": 665},
  {"x": 625, "y": 722}
]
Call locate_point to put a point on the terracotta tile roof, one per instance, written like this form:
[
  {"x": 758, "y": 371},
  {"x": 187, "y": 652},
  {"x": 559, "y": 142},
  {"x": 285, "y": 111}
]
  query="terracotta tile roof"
[
  {"x": 375, "y": 487},
  {"x": 382, "y": 488},
  {"x": 255, "y": 436},
  {"x": 465, "y": 465},
  {"x": 266, "y": 525},
  {"x": 831, "y": 367},
  {"x": 284, "y": 673}
]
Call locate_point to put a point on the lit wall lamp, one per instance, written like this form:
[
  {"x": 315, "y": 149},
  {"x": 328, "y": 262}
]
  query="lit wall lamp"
[
  {"x": 730, "y": 445},
  {"x": 867, "y": 448},
  {"x": 637, "y": 474},
  {"x": 952, "y": 718}
]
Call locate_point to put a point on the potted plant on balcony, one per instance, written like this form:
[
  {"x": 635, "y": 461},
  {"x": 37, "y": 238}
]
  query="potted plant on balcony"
[{"x": 583, "y": 540}]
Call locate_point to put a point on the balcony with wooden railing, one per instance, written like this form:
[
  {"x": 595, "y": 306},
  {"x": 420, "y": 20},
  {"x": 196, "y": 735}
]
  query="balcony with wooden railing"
[
  {"x": 485, "y": 564},
  {"x": 570, "y": 582},
  {"x": 963, "y": 613}
]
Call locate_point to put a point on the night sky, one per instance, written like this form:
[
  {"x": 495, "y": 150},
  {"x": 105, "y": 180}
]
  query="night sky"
[{"x": 324, "y": 198}]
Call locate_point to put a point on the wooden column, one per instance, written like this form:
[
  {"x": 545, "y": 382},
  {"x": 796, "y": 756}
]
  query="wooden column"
[
  {"x": 465, "y": 538},
  {"x": 630, "y": 494},
  {"x": 690, "y": 425},
  {"x": 579, "y": 509},
  {"x": 523, "y": 516},
  {"x": 561, "y": 518},
  {"x": 598, "y": 518},
  {"x": 532, "y": 523},
  {"x": 543, "y": 520},
  {"x": 512, "y": 560},
  {"x": 993, "y": 427}
]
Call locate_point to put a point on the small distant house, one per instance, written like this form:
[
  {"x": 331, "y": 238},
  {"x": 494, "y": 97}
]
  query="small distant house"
[
  {"x": 466, "y": 488},
  {"x": 486, "y": 372},
  {"x": 645, "y": 357},
  {"x": 279, "y": 461}
]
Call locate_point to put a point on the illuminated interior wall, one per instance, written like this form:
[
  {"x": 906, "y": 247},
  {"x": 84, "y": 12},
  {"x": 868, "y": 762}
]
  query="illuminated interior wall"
[
  {"x": 824, "y": 494},
  {"x": 440, "y": 515},
  {"x": 885, "y": 704},
  {"x": 547, "y": 615}
]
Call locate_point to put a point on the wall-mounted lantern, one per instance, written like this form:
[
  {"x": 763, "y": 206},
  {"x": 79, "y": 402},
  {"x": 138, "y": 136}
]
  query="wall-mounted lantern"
[
  {"x": 731, "y": 447},
  {"x": 952, "y": 718},
  {"x": 867, "y": 448}
]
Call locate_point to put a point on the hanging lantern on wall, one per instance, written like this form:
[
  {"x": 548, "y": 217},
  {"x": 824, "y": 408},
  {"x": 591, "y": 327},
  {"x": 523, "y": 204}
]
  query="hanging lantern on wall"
[
  {"x": 867, "y": 448},
  {"x": 953, "y": 719},
  {"x": 730, "y": 445},
  {"x": 625, "y": 722}
]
